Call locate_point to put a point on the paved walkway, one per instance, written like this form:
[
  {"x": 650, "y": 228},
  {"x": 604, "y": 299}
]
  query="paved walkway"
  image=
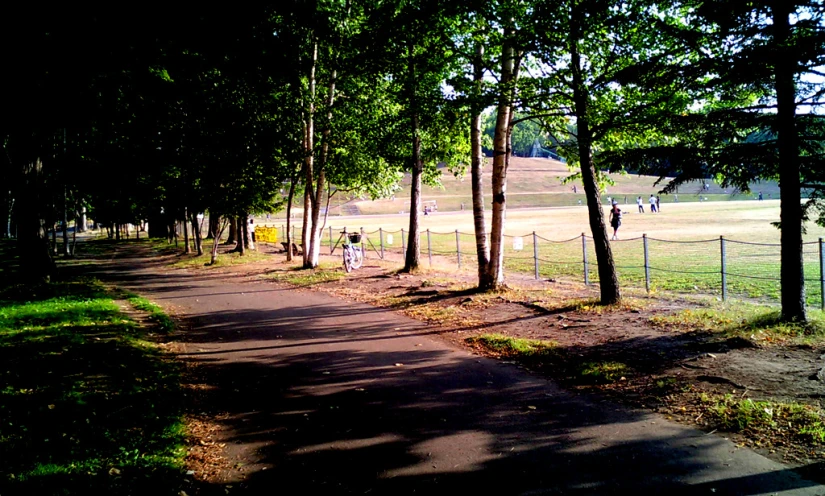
[{"x": 329, "y": 397}]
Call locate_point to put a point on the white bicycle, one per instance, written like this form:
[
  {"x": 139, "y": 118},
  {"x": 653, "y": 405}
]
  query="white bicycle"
[{"x": 353, "y": 259}]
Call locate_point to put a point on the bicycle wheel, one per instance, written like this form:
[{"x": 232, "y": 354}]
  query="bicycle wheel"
[
  {"x": 357, "y": 259},
  {"x": 347, "y": 260}
]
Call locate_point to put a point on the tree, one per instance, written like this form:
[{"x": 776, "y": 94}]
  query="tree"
[{"x": 751, "y": 71}]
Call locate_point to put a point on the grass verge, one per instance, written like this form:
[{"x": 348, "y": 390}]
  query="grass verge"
[
  {"x": 87, "y": 405},
  {"x": 224, "y": 259},
  {"x": 325, "y": 272},
  {"x": 758, "y": 323},
  {"x": 766, "y": 419},
  {"x": 513, "y": 347}
]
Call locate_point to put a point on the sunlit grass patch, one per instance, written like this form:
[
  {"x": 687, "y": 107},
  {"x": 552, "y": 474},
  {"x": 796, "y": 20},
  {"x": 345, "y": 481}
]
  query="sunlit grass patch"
[
  {"x": 223, "y": 260},
  {"x": 601, "y": 372},
  {"x": 755, "y": 322},
  {"x": 513, "y": 347},
  {"x": 156, "y": 313},
  {"x": 298, "y": 276},
  {"x": 803, "y": 422}
]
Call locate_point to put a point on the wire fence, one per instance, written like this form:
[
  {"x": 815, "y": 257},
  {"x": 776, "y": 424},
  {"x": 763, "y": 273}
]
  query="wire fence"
[{"x": 718, "y": 267}]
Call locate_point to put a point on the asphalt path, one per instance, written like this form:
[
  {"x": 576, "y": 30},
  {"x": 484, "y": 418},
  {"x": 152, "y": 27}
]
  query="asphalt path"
[{"x": 324, "y": 396}]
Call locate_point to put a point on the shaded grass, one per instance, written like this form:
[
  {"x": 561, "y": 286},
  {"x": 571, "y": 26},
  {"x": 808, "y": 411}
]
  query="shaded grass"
[
  {"x": 87, "y": 405},
  {"x": 751, "y": 321}
]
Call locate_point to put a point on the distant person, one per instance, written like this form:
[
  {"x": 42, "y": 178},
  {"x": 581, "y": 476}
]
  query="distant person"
[
  {"x": 658, "y": 207},
  {"x": 652, "y": 202},
  {"x": 639, "y": 203},
  {"x": 615, "y": 219},
  {"x": 575, "y": 190},
  {"x": 676, "y": 198},
  {"x": 760, "y": 196},
  {"x": 252, "y": 230}
]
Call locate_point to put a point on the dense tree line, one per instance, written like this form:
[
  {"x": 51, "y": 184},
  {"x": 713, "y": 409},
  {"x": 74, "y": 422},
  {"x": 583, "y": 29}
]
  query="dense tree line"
[{"x": 216, "y": 110}]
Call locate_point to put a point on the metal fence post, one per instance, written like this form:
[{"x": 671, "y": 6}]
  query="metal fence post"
[
  {"x": 584, "y": 261},
  {"x": 381, "y": 239},
  {"x": 403, "y": 245},
  {"x": 429, "y": 248},
  {"x": 821, "y": 275},
  {"x": 331, "y": 247},
  {"x": 647, "y": 264},
  {"x": 724, "y": 269},
  {"x": 536, "y": 253},
  {"x": 363, "y": 246},
  {"x": 458, "y": 248},
  {"x": 293, "y": 234}
]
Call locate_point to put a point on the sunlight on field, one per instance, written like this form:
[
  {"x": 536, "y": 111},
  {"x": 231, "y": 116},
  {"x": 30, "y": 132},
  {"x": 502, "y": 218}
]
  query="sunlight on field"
[{"x": 740, "y": 220}]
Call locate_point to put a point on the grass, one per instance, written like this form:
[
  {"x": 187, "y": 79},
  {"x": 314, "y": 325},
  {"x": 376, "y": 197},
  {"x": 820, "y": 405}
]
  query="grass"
[
  {"x": 325, "y": 272},
  {"x": 804, "y": 423},
  {"x": 87, "y": 405},
  {"x": 756, "y": 322},
  {"x": 223, "y": 260},
  {"x": 601, "y": 372},
  {"x": 513, "y": 347},
  {"x": 156, "y": 313}
]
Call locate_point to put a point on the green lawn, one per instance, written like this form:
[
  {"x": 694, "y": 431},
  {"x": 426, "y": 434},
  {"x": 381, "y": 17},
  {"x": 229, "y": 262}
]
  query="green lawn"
[{"x": 88, "y": 406}]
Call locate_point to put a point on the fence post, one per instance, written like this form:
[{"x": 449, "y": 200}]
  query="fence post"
[
  {"x": 429, "y": 248},
  {"x": 381, "y": 238},
  {"x": 821, "y": 275},
  {"x": 403, "y": 246},
  {"x": 363, "y": 245},
  {"x": 293, "y": 234},
  {"x": 724, "y": 269},
  {"x": 331, "y": 246},
  {"x": 536, "y": 253},
  {"x": 458, "y": 248},
  {"x": 647, "y": 264},
  {"x": 584, "y": 260}
]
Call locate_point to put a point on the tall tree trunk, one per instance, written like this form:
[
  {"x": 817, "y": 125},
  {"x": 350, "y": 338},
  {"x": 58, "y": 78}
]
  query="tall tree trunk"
[
  {"x": 792, "y": 275},
  {"x": 187, "y": 248},
  {"x": 494, "y": 275},
  {"x": 214, "y": 220},
  {"x": 309, "y": 172},
  {"x": 608, "y": 280},
  {"x": 233, "y": 232},
  {"x": 36, "y": 261},
  {"x": 288, "y": 233},
  {"x": 82, "y": 221},
  {"x": 239, "y": 232},
  {"x": 476, "y": 172},
  {"x": 221, "y": 227},
  {"x": 196, "y": 233},
  {"x": 413, "y": 255},
  {"x": 315, "y": 239},
  {"x": 66, "y": 247}
]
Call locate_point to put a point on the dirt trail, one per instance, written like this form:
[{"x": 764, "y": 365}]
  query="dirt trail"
[{"x": 313, "y": 394}]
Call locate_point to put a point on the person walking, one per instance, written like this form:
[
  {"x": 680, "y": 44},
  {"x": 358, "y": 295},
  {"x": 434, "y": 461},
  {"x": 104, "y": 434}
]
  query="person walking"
[
  {"x": 652, "y": 203},
  {"x": 615, "y": 220},
  {"x": 639, "y": 203},
  {"x": 658, "y": 206}
]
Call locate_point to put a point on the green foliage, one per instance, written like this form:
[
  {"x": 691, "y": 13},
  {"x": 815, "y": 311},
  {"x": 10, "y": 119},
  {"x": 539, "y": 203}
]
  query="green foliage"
[{"x": 601, "y": 372}]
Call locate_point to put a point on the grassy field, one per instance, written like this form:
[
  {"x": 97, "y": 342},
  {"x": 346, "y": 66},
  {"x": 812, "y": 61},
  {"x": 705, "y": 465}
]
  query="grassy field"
[
  {"x": 539, "y": 183},
  {"x": 684, "y": 248}
]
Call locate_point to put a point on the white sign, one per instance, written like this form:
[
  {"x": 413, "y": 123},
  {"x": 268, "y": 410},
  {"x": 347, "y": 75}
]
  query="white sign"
[
  {"x": 389, "y": 239},
  {"x": 518, "y": 244}
]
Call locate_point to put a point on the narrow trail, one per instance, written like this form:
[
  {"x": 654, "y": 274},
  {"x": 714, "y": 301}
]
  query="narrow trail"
[{"x": 321, "y": 396}]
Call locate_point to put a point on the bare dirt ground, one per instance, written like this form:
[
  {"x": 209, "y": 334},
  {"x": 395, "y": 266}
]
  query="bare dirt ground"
[{"x": 669, "y": 368}]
